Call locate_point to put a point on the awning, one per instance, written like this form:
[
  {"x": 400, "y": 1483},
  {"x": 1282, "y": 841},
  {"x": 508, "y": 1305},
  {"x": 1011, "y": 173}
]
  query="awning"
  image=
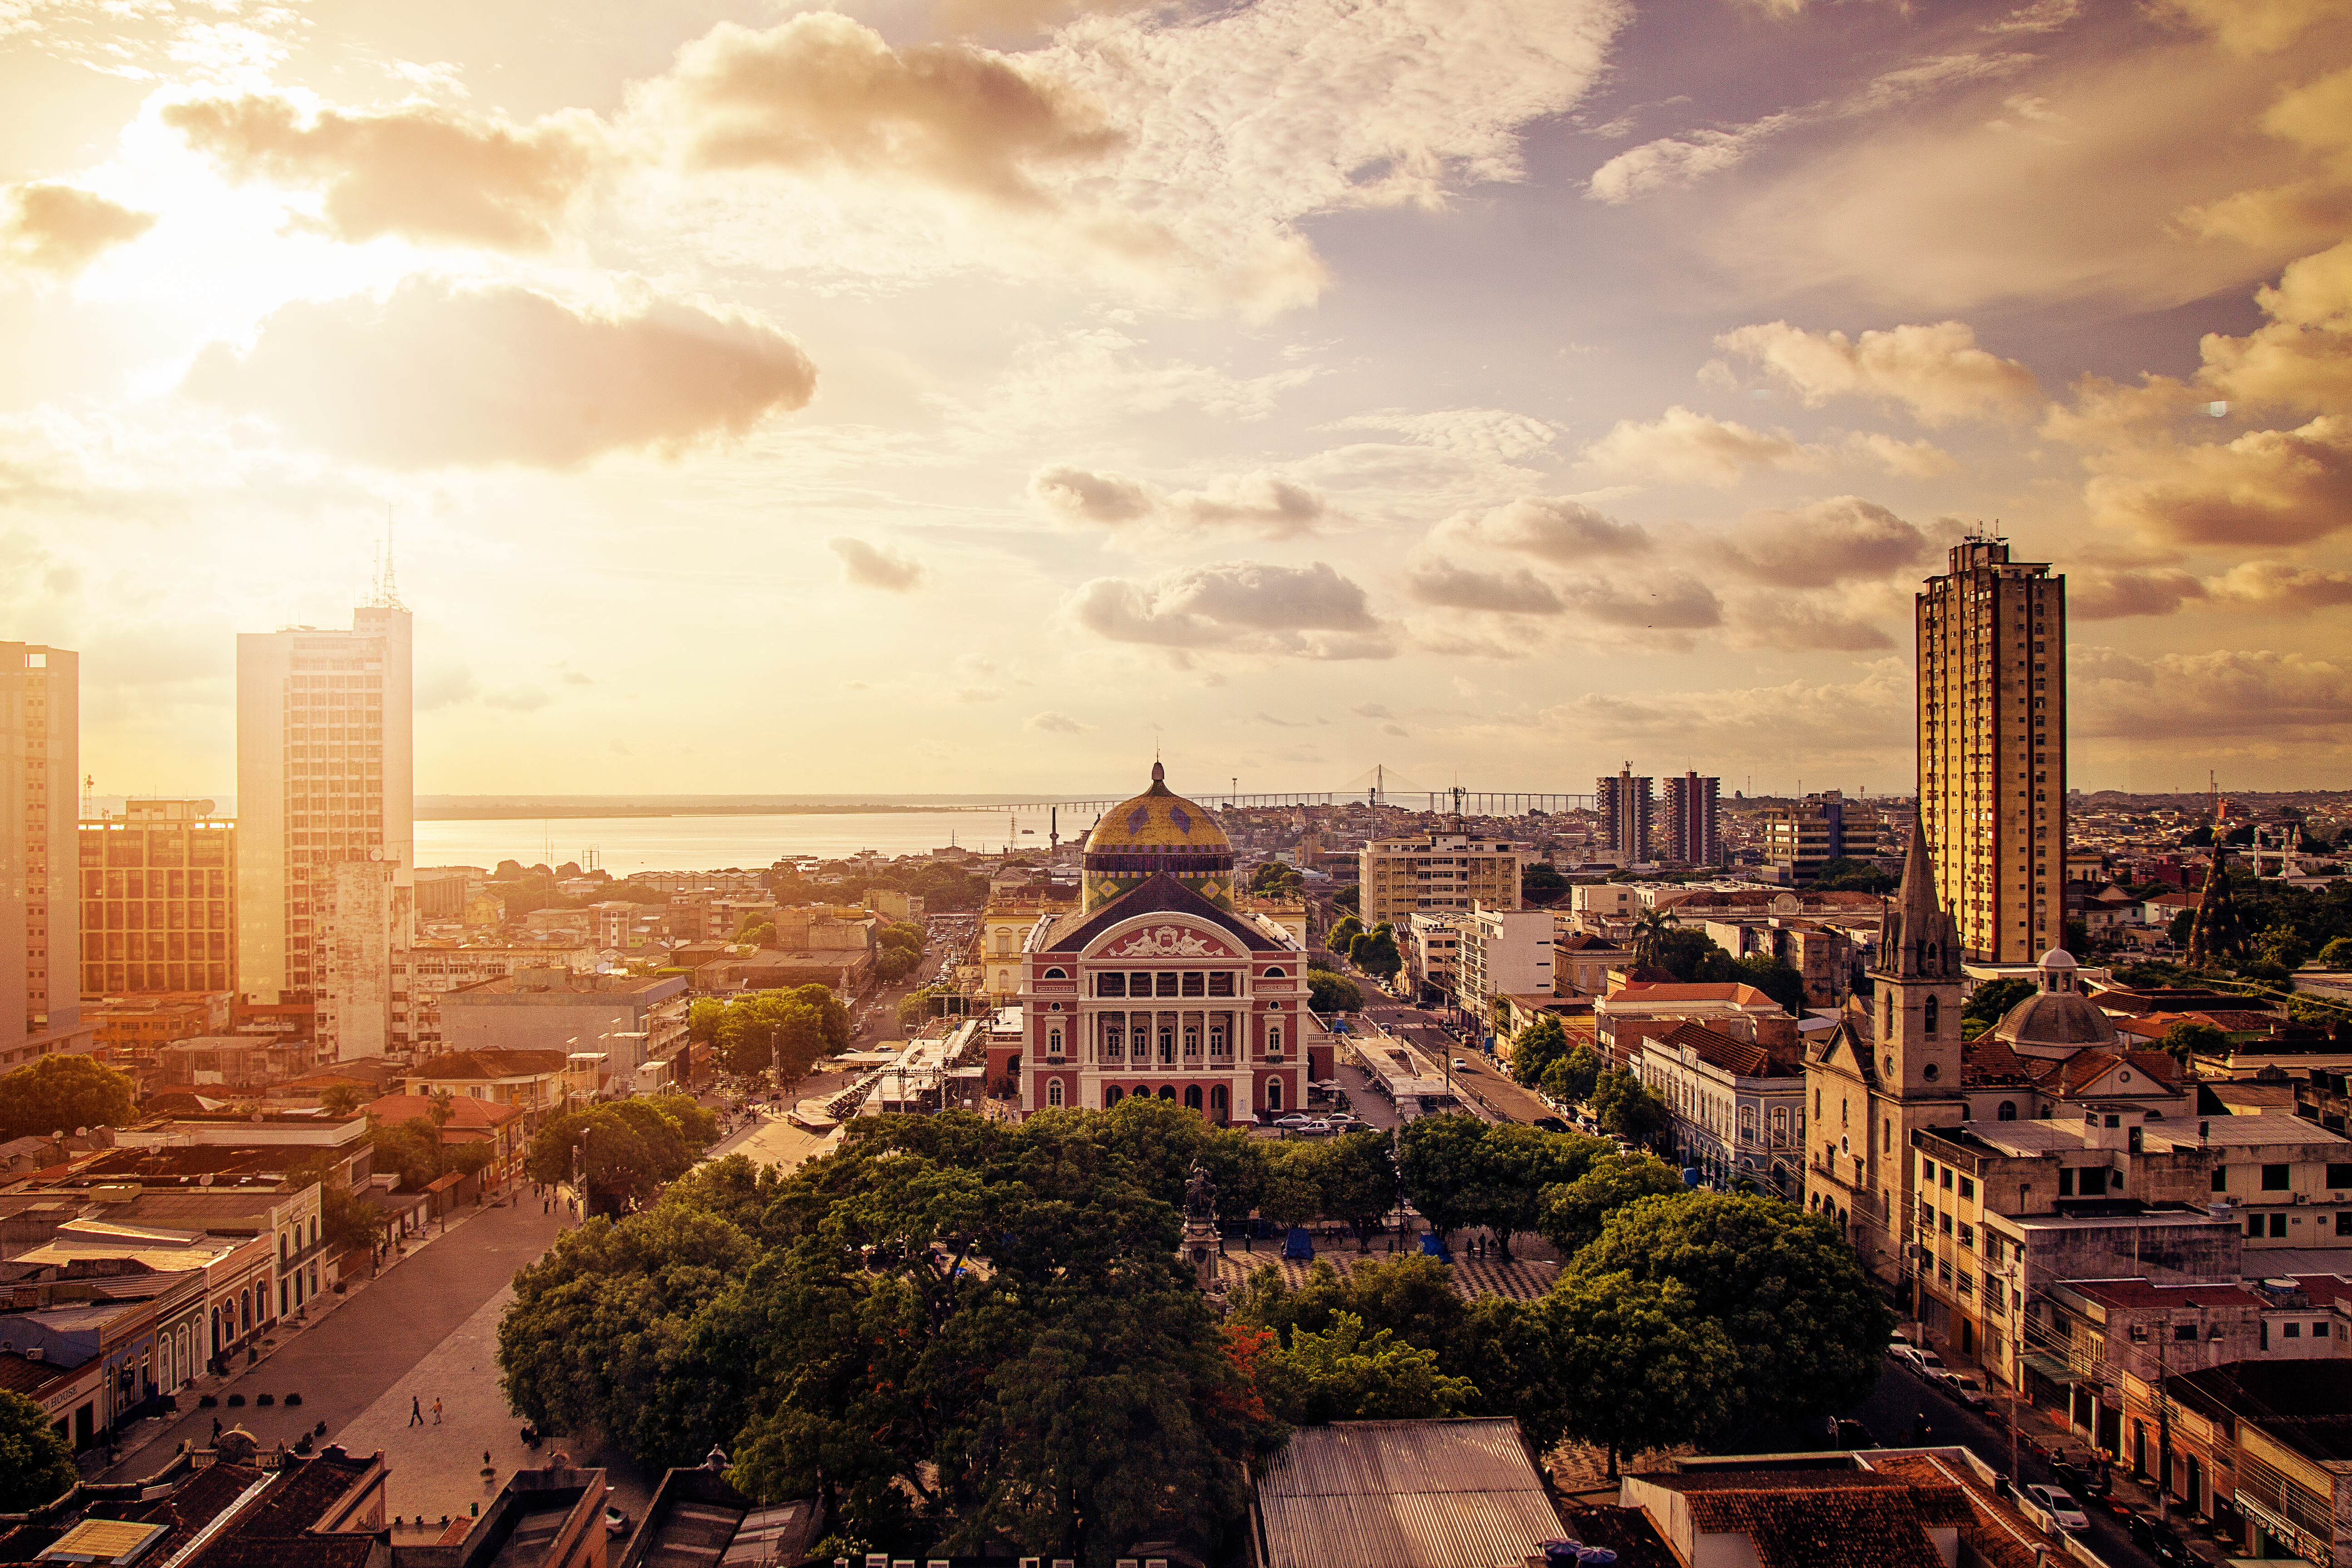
[{"x": 2051, "y": 1367}]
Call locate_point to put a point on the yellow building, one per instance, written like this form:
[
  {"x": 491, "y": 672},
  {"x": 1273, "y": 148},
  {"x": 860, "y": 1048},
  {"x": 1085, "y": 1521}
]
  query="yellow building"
[{"x": 159, "y": 901}]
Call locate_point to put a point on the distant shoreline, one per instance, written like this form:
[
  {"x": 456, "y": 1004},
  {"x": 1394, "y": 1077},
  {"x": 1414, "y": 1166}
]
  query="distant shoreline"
[{"x": 532, "y": 812}]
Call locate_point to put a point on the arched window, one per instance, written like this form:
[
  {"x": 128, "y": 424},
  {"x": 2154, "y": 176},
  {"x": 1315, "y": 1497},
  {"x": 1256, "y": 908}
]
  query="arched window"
[
  {"x": 1167, "y": 1091},
  {"x": 1192, "y": 1097},
  {"x": 1112, "y": 1095},
  {"x": 1218, "y": 1102},
  {"x": 1053, "y": 1092},
  {"x": 1193, "y": 1041},
  {"x": 1276, "y": 972},
  {"x": 1053, "y": 1042},
  {"x": 1934, "y": 1013},
  {"x": 1274, "y": 1041},
  {"x": 2008, "y": 1111},
  {"x": 1055, "y": 974},
  {"x": 1004, "y": 942},
  {"x": 1274, "y": 1094},
  {"x": 1113, "y": 1041}
]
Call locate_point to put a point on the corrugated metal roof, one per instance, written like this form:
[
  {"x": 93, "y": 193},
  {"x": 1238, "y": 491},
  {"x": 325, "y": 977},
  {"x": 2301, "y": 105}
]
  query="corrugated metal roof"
[{"x": 1405, "y": 1494}]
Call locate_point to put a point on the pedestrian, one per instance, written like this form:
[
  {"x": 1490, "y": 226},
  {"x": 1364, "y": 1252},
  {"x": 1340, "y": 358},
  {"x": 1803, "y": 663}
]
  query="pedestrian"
[
  {"x": 216, "y": 1430},
  {"x": 436, "y": 1410},
  {"x": 415, "y": 1412}
]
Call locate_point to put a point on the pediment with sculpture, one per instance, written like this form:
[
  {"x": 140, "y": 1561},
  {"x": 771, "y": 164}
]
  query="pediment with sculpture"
[{"x": 1165, "y": 938}]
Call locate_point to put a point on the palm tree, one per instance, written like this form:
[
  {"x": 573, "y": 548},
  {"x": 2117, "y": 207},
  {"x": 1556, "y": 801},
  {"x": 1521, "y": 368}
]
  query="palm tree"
[
  {"x": 1651, "y": 928},
  {"x": 444, "y": 1106}
]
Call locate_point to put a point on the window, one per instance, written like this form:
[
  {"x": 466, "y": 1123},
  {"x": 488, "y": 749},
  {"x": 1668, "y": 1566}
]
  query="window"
[
  {"x": 2339, "y": 1176},
  {"x": 1194, "y": 984},
  {"x": 1276, "y": 974},
  {"x": 1926, "y": 1171},
  {"x": 1274, "y": 1041},
  {"x": 1056, "y": 975},
  {"x": 1138, "y": 985},
  {"x": 1054, "y": 1042},
  {"x": 1112, "y": 1095},
  {"x": 1944, "y": 1178},
  {"x": 1220, "y": 984},
  {"x": 1932, "y": 1013},
  {"x": 1968, "y": 1237},
  {"x": 2278, "y": 1227},
  {"x": 1164, "y": 984},
  {"x": 2008, "y": 1111},
  {"x": 2221, "y": 1178},
  {"x": 1968, "y": 1187},
  {"x": 1944, "y": 1222},
  {"x": 2277, "y": 1178},
  {"x": 2184, "y": 1333},
  {"x": 2065, "y": 1181},
  {"x": 2294, "y": 1331},
  {"x": 1053, "y": 1091},
  {"x": 2344, "y": 1222},
  {"x": 1274, "y": 1094}
]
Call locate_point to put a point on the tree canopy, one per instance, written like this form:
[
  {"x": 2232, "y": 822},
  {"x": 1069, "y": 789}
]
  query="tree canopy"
[
  {"x": 1536, "y": 1048},
  {"x": 633, "y": 1148},
  {"x": 1541, "y": 886},
  {"x": 790, "y": 1030},
  {"x": 1625, "y": 1106},
  {"x": 1349, "y": 1373},
  {"x": 1328, "y": 992},
  {"x": 1842, "y": 873},
  {"x": 1991, "y": 1002},
  {"x": 1375, "y": 952},
  {"x": 61, "y": 1093},
  {"x": 1807, "y": 1329},
  {"x": 1636, "y": 1363},
  {"x": 36, "y": 1464},
  {"x": 1573, "y": 1212}
]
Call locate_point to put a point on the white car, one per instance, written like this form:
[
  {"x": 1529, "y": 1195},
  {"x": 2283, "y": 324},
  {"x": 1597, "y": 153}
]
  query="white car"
[
  {"x": 1342, "y": 1120},
  {"x": 1294, "y": 1120},
  {"x": 2061, "y": 1508},
  {"x": 1968, "y": 1391},
  {"x": 1926, "y": 1362},
  {"x": 1318, "y": 1124}
]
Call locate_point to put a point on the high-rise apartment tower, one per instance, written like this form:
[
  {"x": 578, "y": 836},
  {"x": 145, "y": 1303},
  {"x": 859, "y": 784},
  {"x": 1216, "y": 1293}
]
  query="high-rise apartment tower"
[
  {"x": 158, "y": 900},
  {"x": 325, "y": 773},
  {"x": 1628, "y": 806},
  {"x": 40, "y": 919},
  {"x": 1992, "y": 749},
  {"x": 1691, "y": 830}
]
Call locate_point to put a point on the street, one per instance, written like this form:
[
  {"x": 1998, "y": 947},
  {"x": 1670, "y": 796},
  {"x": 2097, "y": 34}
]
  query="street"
[
  {"x": 1903, "y": 1396},
  {"x": 1486, "y": 1090}
]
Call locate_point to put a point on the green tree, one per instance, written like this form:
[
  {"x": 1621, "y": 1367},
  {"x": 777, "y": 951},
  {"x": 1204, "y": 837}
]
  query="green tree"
[
  {"x": 1438, "y": 1158},
  {"x": 440, "y": 1106},
  {"x": 1573, "y": 1212},
  {"x": 1343, "y": 933},
  {"x": 1809, "y": 1330},
  {"x": 1512, "y": 1164},
  {"x": 1844, "y": 874},
  {"x": 772, "y": 1028},
  {"x": 2187, "y": 1039},
  {"x": 632, "y": 1147},
  {"x": 1350, "y": 1374},
  {"x": 939, "y": 1001},
  {"x": 347, "y": 1223},
  {"x": 1294, "y": 1185},
  {"x": 411, "y": 1148},
  {"x": 1637, "y": 1364},
  {"x": 2284, "y": 945},
  {"x": 1538, "y": 1046},
  {"x": 1275, "y": 880},
  {"x": 1574, "y": 1079},
  {"x": 61, "y": 1093},
  {"x": 338, "y": 1098},
  {"x": 893, "y": 965},
  {"x": 904, "y": 934},
  {"x": 1375, "y": 952},
  {"x": 1329, "y": 993},
  {"x": 1541, "y": 886},
  {"x": 756, "y": 933},
  {"x": 1651, "y": 927},
  {"x": 1359, "y": 1178},
  {"x": 702, "y": 1016},
  {"x": 1990, "y": 1003},
  {"x": 1350, "y": 899},
  {"x": 2337, "y": 953},
  {"x": 36, "y": 1464},
  {"x": 1775, "y": 977},
  {"x": 1625, "y": 1106}
]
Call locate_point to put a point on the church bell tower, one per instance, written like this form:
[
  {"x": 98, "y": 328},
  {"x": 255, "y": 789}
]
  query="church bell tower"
[{"x": 1916, "y": 978}]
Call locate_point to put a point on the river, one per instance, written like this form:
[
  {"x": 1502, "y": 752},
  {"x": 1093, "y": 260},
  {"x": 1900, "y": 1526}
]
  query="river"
[{"x": 625, "y": 843}]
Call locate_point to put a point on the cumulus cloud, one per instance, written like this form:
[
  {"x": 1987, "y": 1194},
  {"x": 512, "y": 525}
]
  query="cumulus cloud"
[
  {"x": 875, "y": 565},
  {"x": 1549, "y": 528},
  {"x": 1515, "y": 592},
  {"x": 1829, "y": 541},
  {"x": 1936, "y": 371},
  {"x": 1372, "y": 711},
  {"x": 2115, "y": 594},
  {"x": 1261, "y": 503},
  {"x": 2253, "y": 26},
  {"x": 63, "y": 229},
  {"x": 434, "y": 374},
  {"x": 1667, "y": 602},
  {"x": 1683, "y": 447},
  {"x": 2302, "y": 358},
  {"x": 421, "y": 172},
  {"x": 2192, "y": 698},
  {"x": 1801, "y": 621},
  {"x": 1863, "y": 722},
  {"x": 821, "y": 93},
  {"x": 2277, "y": 585},
  {"x": 1053, "y": 723},
  {"x": 1308, "y": 612},
  {"x": 2265, "y": 487},
  {"x": 520, "y": 698}
]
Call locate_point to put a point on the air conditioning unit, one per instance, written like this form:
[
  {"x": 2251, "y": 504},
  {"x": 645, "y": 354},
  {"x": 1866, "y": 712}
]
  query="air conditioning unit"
[{"x": 2303, "y": 1197}]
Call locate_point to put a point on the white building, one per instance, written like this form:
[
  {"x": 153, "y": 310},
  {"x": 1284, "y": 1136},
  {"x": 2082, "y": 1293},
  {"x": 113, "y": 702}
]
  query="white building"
[
  {"x": 1441, "y": 872},
  {"x": 1432, "y": 946},
  {"x": 1504, "y": 952},
  {"x": 1604, "y": 907},
  {"x": 40, "y": 912},
  {"x": 1739, "y": 1105},
  {"x": 325, "y": 775}
]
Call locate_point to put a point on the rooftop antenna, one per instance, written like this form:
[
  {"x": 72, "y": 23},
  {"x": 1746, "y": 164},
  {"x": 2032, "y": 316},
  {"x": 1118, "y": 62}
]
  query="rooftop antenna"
[{"x": 387, "y": 581}]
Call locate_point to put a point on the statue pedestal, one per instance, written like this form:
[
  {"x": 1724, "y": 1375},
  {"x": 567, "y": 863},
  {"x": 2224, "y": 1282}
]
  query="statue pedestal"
[{"x": 1201, "y": 1250}]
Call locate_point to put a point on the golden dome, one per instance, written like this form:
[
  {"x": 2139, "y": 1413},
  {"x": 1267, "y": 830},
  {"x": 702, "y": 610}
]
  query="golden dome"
[{"x": 1159, "y": 818}]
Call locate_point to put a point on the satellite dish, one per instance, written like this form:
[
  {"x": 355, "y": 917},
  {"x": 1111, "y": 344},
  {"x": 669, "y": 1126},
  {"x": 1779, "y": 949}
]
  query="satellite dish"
[{"x": 375, "y": 854}]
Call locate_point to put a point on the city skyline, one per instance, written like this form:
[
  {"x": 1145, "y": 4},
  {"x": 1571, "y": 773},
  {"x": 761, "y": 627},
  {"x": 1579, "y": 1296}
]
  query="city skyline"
[{"x": 971, "y": 397}]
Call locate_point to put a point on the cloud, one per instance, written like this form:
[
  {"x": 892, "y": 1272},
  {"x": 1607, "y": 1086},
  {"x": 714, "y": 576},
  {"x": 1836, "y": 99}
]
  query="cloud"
[
  {"x": 436, "y": 376},
  {"x": 421, "y": 172},
  {"x": 1801, "y": 621},
  {"x": 1826, "y": 542},
  {"x": 444, "y": 683},
  {"x": 1695, "y": 449},
  {"x": 2266, "y": 488},
  {"x": 1549, "y": 528},
  {"x": 1053, "y": 723},
  {"x": 2109, "y": 594},
  {"x": 1911, "y": 459},
  {"x": 2276, "y": 585},
  {"x": 1307, "y": 612},
  {"x": 1262, "y": 503},
  {"x": 1372, "y": 711},
  {"x": 522, "y": 698},
  {"x": 2253, "y": 26},
  {"x": 62, "y": 228},
  {"x": 1863, "y": 722},
  {"x": 2193, "y": 699},
  {"x": 1516, "y": 592},
  {"x": 1399, "y": 730},
  {"x": 1674, "y": 602},
  {"x": 875, "y": 565},
  {"x": 1936, "y": 371},
  {"x": 2302, "y": 358},
  {"x": 821, "y": 93}
]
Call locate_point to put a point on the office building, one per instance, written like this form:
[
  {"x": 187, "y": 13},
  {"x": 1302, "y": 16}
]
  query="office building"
[
  {"x": 1691, "y": 834},
  {"x": 1993, "y": 747},
  {"x": 1503, "y": 953},
  {"x": 1627, "y": 807},
  {"x": 324, "y": 775},
  {"x": 158, "y": 900},
  {"x": 40, "y": 919},
  {"x": 1443, "y": 871}
]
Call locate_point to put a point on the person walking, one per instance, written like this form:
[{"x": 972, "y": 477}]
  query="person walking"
[
  {"x": 416, "y": 1411},
  {"x": 436, "y": 1410}
]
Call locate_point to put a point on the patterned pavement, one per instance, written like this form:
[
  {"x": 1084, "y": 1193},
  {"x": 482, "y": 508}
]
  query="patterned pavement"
[{"x": 1522, "y": 1279}]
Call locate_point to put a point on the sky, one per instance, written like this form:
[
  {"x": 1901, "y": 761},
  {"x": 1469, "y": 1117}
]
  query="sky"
[{"x": 985, "y": 395}]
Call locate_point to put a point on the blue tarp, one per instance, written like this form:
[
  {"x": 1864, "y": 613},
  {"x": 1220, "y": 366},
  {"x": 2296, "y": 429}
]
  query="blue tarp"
[{"x": 1299, "y": 1245}]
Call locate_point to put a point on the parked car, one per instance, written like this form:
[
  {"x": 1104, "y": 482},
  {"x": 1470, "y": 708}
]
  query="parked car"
[
  {"x": 1319, "y": 1124},
  {"x": 2151, "y": 1534},
  {"x": 1968, "y": 1391},
  {"x": 1549, "y": 1123},
  {"x": 1461, "y": 1066},
  {"x": 615, "y": 1522},
  {"x": 1926, "y": 1362},
  {"x": 2062, "y": 1510},
  {"x": 1295, "y": 1119},
  {"x": 1343, "y": 1120},
  {"x": 2082, "y": 1479}
]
